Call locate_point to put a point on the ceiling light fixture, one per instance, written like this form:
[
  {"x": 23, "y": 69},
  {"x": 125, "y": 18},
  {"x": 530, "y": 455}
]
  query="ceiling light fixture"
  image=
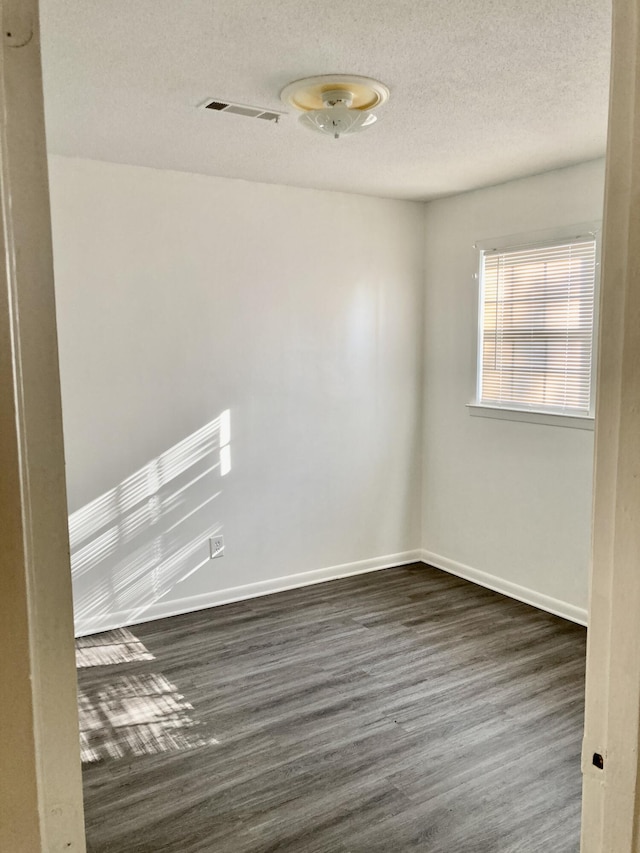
[{"x": 335, "y": 104}]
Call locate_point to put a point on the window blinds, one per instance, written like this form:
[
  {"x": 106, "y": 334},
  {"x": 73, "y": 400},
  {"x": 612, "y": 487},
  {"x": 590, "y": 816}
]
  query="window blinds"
[{"x": 537, "y": 314}]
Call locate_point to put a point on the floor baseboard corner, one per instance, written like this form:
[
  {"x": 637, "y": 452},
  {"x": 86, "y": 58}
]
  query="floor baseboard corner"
[
  {"x": 176, "y": 606},
  {"x": 529, "y": 596}
]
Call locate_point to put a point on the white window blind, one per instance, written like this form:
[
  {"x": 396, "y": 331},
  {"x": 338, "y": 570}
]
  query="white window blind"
[{"x": 536, "y": 327}]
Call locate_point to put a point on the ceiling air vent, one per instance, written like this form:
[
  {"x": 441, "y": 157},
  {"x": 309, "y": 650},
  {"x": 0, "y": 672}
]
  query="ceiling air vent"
[{"x": 242, "y": 110}]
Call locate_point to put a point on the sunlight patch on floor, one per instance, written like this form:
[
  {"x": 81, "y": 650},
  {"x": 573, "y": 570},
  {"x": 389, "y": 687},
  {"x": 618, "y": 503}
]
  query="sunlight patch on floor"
[
  {"x": 112, "y": 647},
  {"x": 134, "y": 716}
]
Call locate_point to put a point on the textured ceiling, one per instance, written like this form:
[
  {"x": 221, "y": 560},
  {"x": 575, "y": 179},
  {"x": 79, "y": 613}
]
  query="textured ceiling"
[{"x": 481, "y": 90}]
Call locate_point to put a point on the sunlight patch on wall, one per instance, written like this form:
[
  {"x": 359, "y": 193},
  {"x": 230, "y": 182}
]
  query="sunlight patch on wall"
[
  {"x": 133, "y": 544},
  {"x": 225, "y": 443}
]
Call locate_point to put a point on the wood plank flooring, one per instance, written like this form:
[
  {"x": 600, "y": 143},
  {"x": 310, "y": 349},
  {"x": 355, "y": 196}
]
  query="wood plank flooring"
[{"x": 404, "y": 710}]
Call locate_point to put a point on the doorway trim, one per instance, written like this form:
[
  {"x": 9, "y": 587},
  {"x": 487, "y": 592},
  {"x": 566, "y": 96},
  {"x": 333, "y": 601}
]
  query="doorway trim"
[
  {"x": 41, "y": 785},
  {"x": 612, "y": 723}
]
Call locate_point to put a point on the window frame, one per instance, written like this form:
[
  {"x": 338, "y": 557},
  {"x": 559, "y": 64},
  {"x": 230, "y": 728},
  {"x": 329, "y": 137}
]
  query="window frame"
[{"x": 538, "y": 239}]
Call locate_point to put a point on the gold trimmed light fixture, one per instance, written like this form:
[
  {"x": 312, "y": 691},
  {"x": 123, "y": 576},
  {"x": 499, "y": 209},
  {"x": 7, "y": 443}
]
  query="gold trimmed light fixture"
[{"x": 336, "y": 104}]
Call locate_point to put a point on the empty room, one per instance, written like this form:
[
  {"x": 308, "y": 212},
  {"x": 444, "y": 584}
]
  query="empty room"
[{"x": 327, "y": 288}]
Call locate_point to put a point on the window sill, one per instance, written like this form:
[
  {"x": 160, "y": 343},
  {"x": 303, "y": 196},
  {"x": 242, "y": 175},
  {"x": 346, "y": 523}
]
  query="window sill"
[{"x": 478, "y": 410}]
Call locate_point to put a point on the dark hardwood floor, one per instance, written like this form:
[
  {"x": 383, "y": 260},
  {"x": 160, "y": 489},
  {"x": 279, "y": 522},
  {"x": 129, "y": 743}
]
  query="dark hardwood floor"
[{"x": 396, "y": 711}]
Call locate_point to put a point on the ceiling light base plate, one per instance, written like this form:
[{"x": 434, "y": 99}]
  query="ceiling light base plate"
[{"x": 310, "y": 93}]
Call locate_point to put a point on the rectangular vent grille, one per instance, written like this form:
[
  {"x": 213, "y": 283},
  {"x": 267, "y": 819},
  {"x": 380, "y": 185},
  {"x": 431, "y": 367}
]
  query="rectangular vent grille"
[{"x": 242, "y": 110}]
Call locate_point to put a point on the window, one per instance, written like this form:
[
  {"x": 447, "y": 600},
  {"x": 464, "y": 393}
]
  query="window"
[{"x": 537, "y": 305}]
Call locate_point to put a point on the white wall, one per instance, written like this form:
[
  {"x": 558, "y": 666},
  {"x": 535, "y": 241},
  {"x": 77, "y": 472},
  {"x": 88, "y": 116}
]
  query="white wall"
[
  {"x": 180, "y": 297},
  {"x": 510, "y": 500},
  {"x": 299, "y": 312}
]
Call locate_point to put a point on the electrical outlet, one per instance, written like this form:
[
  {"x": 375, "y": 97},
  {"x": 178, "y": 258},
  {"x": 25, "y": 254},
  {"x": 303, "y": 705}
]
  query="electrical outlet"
[{"x": 216, "y": 547}]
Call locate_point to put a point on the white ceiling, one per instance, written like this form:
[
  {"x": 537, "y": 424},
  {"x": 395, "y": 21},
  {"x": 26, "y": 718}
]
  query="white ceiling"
[{"x": 481, "y": 90}]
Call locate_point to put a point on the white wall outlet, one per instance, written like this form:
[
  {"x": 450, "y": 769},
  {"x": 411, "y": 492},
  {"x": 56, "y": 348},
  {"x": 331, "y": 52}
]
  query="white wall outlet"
[{"x": 216, "y": 547}]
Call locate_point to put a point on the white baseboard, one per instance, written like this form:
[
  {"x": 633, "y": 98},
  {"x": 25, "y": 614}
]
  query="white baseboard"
[
  {"x": 513, "y": 590},
  {"x": 176, "y": 606}
]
